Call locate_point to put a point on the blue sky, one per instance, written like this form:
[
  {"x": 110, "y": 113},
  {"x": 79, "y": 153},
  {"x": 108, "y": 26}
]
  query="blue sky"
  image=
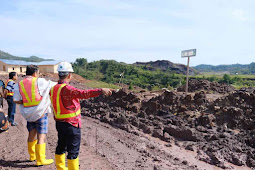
[{"x": 222, "y": 31}]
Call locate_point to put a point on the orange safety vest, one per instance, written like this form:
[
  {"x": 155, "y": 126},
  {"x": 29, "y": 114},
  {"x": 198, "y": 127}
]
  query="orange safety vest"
[
  {"x": 60, "y": 112},
  {"x": 29, "y": 91},
  {"x": 9, "y": 93}
]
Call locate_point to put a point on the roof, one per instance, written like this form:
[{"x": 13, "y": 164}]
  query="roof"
[
  {"x": 20, "y": 62},
  {"x": 45, "y": 63},
  {"x": 14, "y": 62}
]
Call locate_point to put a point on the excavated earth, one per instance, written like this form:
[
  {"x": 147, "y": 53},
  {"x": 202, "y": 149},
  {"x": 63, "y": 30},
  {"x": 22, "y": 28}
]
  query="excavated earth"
[
  {"x": 209, "y": 87},
  {"x": 160, "y": 130},
  {"x": 219, "y": 131}
]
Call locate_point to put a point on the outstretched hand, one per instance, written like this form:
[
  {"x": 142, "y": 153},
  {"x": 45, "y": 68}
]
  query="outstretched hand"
[{"x": 107, "y": 92}]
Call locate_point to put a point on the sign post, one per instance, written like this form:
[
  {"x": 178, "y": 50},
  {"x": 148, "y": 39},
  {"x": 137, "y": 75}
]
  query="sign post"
[{"x": 188, "y": 53}]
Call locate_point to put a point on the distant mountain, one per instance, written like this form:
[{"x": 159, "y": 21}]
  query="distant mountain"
[
  {"x": 4, "y": 55},
  {"x": 166, "y": 66},
  {"x": 231, "y": 69}
]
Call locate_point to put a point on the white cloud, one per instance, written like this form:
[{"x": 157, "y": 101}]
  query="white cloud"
[
  {"x": 130, "y": 30},
  {"x": 105, "y": 4},
  {"x": 240, "y": 15}
]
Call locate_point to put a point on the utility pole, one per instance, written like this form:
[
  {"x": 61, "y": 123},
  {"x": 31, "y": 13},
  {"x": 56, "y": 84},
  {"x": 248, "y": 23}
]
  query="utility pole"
[{"x": 121, "y": 79}]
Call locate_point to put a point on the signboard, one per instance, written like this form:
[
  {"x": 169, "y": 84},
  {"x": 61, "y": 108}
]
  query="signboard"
[{"x": 189, "y": 53}]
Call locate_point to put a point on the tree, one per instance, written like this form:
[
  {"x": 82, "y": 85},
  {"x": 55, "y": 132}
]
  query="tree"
[
  {"x": 252, "y": 68},
  {"x": 130, "y": 86},
  {"x": 81, "y": 62},
  {"x": 227, "y": 79},
  {"x": 212, "y": 78}
]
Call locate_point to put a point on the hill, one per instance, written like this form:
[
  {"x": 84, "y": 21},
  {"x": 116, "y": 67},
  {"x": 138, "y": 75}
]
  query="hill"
[
  {"x": 231, "y": 69},
  {"x": 4, "y": 55},
  {"x": 156, "y": 75},
  {"x": 150, "y": 75},
  {"x": 166, "y": 66}
]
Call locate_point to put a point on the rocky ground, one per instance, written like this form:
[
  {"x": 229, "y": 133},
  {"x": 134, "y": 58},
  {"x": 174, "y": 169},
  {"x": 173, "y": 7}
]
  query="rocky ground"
[
  {"x": 218, "y": 131},
  {"x": 209, "y": 87},
  {"x": 152, "y": 130}
]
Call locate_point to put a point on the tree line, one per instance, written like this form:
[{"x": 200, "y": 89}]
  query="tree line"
[
  {"x": 231, "y": 69},
  {"x": 111, "y": 71},
  {"x": 4, "y": 55}
]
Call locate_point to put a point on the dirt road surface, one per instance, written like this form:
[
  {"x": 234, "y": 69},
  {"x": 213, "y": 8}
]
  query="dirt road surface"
[
  {"x": 102, "y": 147},
  {"x": 14, "y": 155}
]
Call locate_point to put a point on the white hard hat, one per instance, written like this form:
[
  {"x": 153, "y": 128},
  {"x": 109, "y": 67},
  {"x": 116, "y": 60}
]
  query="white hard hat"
[{"x": 65, "y": 67}]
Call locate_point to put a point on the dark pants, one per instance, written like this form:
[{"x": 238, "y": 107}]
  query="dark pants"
[
  {"x": 69, "y": 139},
  {"x": 11, "y": 108},
  {"x": 1, "y": 102}
]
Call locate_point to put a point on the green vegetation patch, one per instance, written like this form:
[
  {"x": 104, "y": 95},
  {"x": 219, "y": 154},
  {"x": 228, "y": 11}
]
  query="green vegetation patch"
[
  {"x": 112, "y": 72},
  {"x": 100, "y": 84},
  {"x": 4, "y": 55}
]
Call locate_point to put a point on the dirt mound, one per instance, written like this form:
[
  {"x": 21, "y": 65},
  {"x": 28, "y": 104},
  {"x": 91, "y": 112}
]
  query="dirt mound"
[
  {"x": 165, "y": 65},
  {"x": 219, "y": 131},
  {"x": 248, "y": 89},
  {"x": 236, "y": 110},
  {"x": 215, "y": 87},
  {"x": 102, "y": 146},
  {"x": 231, "y": 138},
  {"x": 170, "y": 107},
  {"x": 77, "y": 80}
]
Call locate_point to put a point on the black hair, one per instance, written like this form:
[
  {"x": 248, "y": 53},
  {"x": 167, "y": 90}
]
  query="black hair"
[
  {"x": 63, "y": 75},
  {"x": 31, "y": 69},
  {"x": 12, "y": 74}
]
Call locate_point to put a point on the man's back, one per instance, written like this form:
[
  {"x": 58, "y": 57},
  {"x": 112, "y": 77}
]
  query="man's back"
[{"x": 35, "y": 112}]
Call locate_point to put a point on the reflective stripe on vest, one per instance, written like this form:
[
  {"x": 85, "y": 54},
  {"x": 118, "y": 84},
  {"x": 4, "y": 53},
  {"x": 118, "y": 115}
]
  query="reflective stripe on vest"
[
  {"x": 33, "y": 93},
  {"x": 57, "y": 104},
  {"x": 9, "y": 93}
]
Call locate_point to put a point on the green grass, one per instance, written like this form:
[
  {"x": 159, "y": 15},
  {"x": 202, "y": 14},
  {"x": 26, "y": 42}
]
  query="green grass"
[
  {"x": 243, "y": 76},
  {"x": 100, "y": 84},
  {"x": 208, "y": 74},
  {"x": 211, "y": 74},
  {"x": 238, "y": 86}
]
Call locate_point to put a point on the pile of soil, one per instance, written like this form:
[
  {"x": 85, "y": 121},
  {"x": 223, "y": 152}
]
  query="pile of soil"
[
  {"x": 229, "y": 130},
  {"x": 102, "y": 146},
  {"x": 219, "y": 131},
  {"x": 215, "y": 87}
]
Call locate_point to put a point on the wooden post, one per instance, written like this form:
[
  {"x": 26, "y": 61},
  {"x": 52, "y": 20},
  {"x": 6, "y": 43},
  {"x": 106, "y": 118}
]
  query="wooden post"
[
  {"x": 188, "y": 53},
  {"x": 187, "y": 78},
  {"x": 96, "y": 141}
]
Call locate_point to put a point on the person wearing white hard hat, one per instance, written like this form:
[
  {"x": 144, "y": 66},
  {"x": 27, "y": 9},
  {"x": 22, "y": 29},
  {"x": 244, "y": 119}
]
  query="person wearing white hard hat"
[
  {"x": 32, "y": 95},
  {"x": 67, "y": 113}
]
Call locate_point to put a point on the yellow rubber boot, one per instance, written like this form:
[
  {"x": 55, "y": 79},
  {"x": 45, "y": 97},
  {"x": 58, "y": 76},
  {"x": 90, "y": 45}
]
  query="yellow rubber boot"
[
  {"x": 73, "y": 164},
  {"x": 31, "y": 150},
  {"x": 61, "y": 162},
  {"x": 40, "y": 155}
]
